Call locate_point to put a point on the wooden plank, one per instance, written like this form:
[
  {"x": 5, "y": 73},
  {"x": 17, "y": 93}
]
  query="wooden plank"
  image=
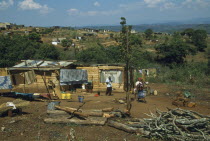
[{"x": 90, "y": 121}]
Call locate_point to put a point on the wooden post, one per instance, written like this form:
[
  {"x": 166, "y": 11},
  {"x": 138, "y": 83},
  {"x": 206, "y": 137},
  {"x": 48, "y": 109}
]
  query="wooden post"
[{"x": 24, "y": 89}]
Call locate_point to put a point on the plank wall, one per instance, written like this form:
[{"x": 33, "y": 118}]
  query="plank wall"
[{"x": 94, "y": 76}]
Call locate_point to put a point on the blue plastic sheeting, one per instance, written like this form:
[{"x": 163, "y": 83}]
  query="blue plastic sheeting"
[
  {"x": 28, "y": 95},
  {"x": 73, "y": 76},
  {"x": 5, "y": 82}
]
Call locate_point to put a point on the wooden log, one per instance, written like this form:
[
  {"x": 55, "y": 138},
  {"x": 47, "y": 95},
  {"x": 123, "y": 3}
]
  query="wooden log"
[
  {"x": 95, "y": 114},
  {"x": 127, "y": 128},
  {"x": 108, "y": 109},
  {"x": 193, "y": 121},
  {"x": 136, "y": 125},
  {"x": 57, "y": 113},
  {"x": 101, "y": 121},
  {"x": 63, "y": 113},
  {"x": 71, "y": 111},
  {"x": 122, "y": 126}
]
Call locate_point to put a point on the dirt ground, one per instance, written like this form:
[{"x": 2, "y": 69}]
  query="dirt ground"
[{"x": 30, "y": 125}]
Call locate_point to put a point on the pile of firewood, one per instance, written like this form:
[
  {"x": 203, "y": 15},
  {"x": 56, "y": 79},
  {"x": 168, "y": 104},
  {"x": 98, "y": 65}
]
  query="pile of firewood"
[{"x": 176, "y": 124}]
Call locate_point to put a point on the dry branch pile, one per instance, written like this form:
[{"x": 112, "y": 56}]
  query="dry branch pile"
[{"x": 176, "y": 124}]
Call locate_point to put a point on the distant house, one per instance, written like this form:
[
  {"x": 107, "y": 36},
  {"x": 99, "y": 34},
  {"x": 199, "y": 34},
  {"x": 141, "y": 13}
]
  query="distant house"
[
  {"x": 133, "y": 31},
  {"x": 61, "y": 39},
  {"x": 79, "y": 38},
  {"x": 8, "y": 33},
  {"x": 56, "y": 41},
  {"x": 6, "y": 25}
]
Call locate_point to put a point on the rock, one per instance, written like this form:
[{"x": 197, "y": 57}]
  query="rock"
[
  {"x": 12, "y": 121},
  {"x": 2, "y": 129}
]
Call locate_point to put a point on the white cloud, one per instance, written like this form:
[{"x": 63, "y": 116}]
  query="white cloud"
[
  {"x": 153, "y": 3},
  {"x": 168, "y": 5},
  {"x": 76, "y": 12},
  {"x": 96, "y": 4},
  {"x": 73, "y": 11},
  {"x": 196, "y": 4},
  {"x": 31, "y": 5},
  {"x": 6, "y": 4},
  {"x": 131, "y": 6}
]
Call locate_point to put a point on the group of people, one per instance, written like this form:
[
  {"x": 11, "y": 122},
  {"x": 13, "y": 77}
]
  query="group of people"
[{"x": 139, "y": 88}]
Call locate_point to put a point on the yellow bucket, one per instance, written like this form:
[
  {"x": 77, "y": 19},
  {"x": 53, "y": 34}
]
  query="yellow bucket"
[
  {"x": 63, "y": 96},
  {"x": 68, "y": 96}
]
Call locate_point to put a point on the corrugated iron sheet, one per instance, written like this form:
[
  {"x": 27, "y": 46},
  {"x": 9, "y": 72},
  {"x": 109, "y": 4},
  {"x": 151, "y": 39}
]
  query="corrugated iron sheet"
[{"x": 40, "y": 63}]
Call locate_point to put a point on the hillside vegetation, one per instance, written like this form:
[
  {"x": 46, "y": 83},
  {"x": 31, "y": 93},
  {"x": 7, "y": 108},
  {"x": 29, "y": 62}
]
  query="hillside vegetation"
[{"x": 180, "y": 58}]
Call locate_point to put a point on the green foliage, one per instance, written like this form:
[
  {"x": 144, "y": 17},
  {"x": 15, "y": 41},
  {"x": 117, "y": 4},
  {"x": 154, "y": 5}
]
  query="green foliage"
[
  {"x": 148, "y": 33},
  {"x": 66, "y": 43},
  {"x": 187, "y": 74},
  {"x": 47, "y": 52},
  {"x": 135, "y": 40},
  {"x": 189, "y": 32},
  {"x": 173, "y": 52},
  {"x": 208, "y": 65},
  {"x": 199, "y": 39},
  {"x": 16, "y": 48},
  {"x": 47, "y": 31},
  {"x": 93, "y": 55},
  {"x": 34, "y": 37}
]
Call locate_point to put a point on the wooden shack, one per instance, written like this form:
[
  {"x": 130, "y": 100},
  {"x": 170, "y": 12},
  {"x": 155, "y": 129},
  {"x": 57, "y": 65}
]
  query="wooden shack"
[
  {"x": 33, "y": 76},
  {"x": 97, "y": 75}
]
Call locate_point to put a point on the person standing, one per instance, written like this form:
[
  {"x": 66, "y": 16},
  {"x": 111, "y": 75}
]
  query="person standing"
[
  {"x": 109, "y": 86},
  {"x": 140, "y": 90}
]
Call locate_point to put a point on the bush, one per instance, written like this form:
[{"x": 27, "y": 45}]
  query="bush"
[{"x": 189, "y": 74}]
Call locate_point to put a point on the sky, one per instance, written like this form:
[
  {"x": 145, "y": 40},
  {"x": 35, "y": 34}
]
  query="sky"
[{"x": 100, "y": 12}]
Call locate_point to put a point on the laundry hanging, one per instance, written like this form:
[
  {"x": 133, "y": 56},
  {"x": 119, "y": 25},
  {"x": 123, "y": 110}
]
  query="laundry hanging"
[
  {"x": 5, "y": 82},
  {"x": 73, "y": 76}
]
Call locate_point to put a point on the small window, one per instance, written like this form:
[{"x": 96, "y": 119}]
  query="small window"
[{"x": 116, "y": 76}]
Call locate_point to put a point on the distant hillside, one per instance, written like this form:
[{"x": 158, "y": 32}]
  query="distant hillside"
[{"x": 168, "y": 28}]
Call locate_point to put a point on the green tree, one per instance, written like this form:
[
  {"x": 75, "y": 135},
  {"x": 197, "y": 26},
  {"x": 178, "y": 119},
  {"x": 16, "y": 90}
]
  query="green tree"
[
  {"x": 189, "y": 32},
  {"x": 47, "y": 52},
  {"x": 66, "y": 43},
  {"x": 16, "y": 48},
  {"x": 173, "y": 52},
  {"x": 135, "y": 40},
  {"x": 34, "y": 37},
  {"x": 199, "y": 39},
  {"x": 148, "y": 33},
  {"x": 208, "y": 65},
  {"x": 93, "y": 55}
]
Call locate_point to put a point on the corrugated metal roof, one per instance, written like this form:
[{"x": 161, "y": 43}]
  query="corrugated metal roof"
[
  {"x": 28, "y": 63},
  {"x": 40, "y": 63}
]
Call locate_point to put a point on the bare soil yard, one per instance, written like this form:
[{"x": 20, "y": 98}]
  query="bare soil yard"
[{"x": 30, "y": 125}]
